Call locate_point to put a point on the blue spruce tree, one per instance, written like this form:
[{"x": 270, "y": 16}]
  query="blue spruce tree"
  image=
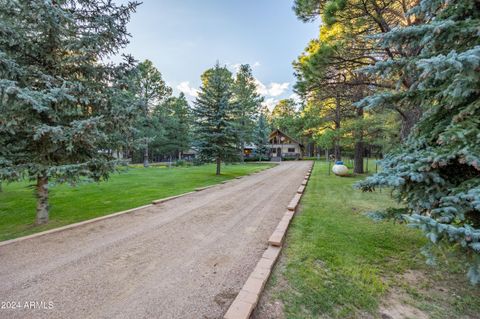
[
  {"x": 261, "y": 137},
  {"x": 62, "y": 110},
  {"x": 214, "y": 113},
  {"x": 436, "y": 172}
]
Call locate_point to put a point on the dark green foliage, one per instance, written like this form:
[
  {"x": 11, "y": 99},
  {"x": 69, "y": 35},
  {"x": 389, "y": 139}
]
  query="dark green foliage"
[
  {"x": 257, "y": 158},
  {"x": 180, "y": 163},
  {"x": 214, "y": 113},
  {"x": 396, "y": 214},
  {"x": 164, "y": 124},
  {"x": 247, "y": 105},
  {"x": 436, "y": 172},
  {"x": 150, "y": 86},
  {"x": 349, "y": 41},
  {"x": 61, "y": 108},
  {"x": 285, "y": 117},
  {"x": 307, "y": 10},
  {"x": 176, "y": 121},
  {"x": 151, "y": 90},
  {"x": 197, "y": 161},
  {"x": 261, "y": 137}
]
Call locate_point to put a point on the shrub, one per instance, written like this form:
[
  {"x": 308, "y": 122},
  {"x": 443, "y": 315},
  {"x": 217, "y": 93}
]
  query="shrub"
[
  {"x": 197, "y": 162},
  {"x": 257, "y": 158},
  {"x": 180, "y": 163}
]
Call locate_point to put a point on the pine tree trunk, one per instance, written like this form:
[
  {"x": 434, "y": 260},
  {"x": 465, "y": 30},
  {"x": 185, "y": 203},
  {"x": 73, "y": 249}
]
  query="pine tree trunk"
[
  {"x": 242, "y": 139},
  {"x": 359, "y": 147},
  {"x": 145, "y": 155},
  {"x": 242, "y": 154},
  {"x": 337, "y": 152},
  {"x": 409, "y": 119},
  {"x": 358, "y": 158},
  {"x": 242, "y": 151},
  {"x": 218, "y": 165},
  {"x": 42, "y": 200}
]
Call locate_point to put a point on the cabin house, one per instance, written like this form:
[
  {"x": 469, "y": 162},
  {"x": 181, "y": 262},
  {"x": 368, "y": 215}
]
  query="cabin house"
[
  {"x": 189, "y": 155},
  {"x": 249, "y": 150},
  {"x": 284, "y": 146}
]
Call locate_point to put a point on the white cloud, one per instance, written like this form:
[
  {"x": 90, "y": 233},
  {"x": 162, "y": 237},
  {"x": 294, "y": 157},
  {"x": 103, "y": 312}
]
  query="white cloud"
[
  {"x": 277, "y": 89},
  {"x": 261, "y": 88},
  {"x": 270, "y": 103},
  {"x": 236, "y": 66},
  {"x": 270, "y": 91},
  {"x": 273, "y": 89},
  {"x": 187, "y": 89},
  {"x": 295, "y": 97}
]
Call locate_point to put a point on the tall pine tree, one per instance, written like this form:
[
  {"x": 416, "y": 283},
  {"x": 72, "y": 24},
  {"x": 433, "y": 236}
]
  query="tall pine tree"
[
  {"x": 345, "y": 44},
  {"x": 152, "y": 90},
  {"x": 59, "y": 105},
  {"x": 284, "y": 117},
  {"x": 437, "y": 171},
  {"x": 248, "y": 103},
  {"x": 214, "y": 112},
  {"x": 177, "y": 121},
  {"x": 261, "y": 137}
]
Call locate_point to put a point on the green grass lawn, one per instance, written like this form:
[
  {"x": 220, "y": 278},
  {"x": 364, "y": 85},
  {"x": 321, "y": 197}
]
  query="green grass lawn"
[
  {"x": 129, "y": 189},
  {"x": 338, "y": 263}
]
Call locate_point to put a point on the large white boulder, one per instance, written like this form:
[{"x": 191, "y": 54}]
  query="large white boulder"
[{"x": 339, "y": 169}]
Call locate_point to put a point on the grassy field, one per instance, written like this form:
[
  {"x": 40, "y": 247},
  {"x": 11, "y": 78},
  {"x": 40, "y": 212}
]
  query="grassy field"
[
  {"x": 132, "y": 188},
  {"x": 338, "y": 263}
]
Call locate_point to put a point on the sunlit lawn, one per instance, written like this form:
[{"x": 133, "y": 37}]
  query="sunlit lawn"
[
  {"x": 338, "y": 263},
  {"x": 129, "y": 189}
]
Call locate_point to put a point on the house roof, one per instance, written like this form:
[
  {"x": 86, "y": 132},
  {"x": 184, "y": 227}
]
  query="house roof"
[{"x": 278, "y": 131}]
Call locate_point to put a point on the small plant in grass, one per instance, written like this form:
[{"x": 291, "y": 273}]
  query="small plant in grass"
[
  {"x": 198, "y": 161},
  {"x": 180, "y": 163},
  {"x": 396, "y": 214}
]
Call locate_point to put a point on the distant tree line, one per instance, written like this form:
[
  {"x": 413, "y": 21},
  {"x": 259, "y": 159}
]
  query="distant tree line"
[{"x": 163, "y": 124}]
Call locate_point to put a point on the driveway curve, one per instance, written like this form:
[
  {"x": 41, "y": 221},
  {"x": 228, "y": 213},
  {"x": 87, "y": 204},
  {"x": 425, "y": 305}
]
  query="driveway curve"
[{"x": 186, "y": 258}]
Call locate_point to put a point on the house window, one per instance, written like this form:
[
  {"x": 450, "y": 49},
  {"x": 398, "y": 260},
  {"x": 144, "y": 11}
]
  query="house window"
[
  {"x": 274, "y": 150},
  {"x": 291, "y": 150}
]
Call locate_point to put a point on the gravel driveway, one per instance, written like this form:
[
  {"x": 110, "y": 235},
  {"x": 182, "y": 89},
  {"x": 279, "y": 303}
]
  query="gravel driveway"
[{"x": 186, "y": 258}]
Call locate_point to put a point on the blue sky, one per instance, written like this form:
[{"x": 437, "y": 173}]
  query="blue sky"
[{"x": 183, "y": 38}]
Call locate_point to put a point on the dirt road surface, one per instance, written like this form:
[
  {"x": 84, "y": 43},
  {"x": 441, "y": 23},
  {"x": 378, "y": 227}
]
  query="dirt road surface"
[{"x": 186, "y": 258}]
